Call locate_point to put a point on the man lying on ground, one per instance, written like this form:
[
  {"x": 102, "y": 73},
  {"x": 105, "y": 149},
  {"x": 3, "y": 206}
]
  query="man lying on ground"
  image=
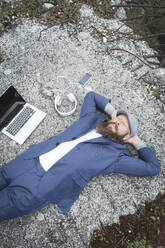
[{"x": 58, "y": 169}]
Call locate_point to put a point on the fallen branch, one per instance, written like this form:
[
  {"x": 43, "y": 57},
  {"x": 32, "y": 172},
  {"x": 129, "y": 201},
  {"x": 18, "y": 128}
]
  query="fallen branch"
[
  {"x": 155, "y": 63},
  {"x": 153, "y": 56},
  {"x": 137, "y": 2},
  {"x": 52, "y": 25},
  {"x": 163, "y": 61},
  {"x": 137, "y": 68},
  {"x": 115, "y": 31},
  {"x": 123, "y": 50},
  {"x": 139, "y": 17},
  {"x": 137, "y": 6},
  {"x": 151, "y": 36},
  {"x": 157, "y": 45},
  {"x": 43, "y": 31},
  {"x": 143, "y": 76}
]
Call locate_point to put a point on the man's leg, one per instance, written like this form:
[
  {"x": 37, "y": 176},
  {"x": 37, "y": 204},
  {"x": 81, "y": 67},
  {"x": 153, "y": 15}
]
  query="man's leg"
[
  {"x": 15, "y": 168},
  {"x": 21, "y": 196},
  {"x": 7, "y": 209},
  {"x": 14, "y": 203}
]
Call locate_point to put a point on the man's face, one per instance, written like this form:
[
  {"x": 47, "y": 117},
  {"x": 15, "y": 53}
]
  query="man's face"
[{"x": 119, "y": 125}]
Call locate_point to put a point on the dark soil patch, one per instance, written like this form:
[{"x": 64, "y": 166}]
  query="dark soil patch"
[{"x": 145, "y": 228}]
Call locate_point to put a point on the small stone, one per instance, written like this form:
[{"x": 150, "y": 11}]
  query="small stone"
[
  {"x": 104, "y": 39},
  {"x": 12, "y": 143},
  {"x": 47, "y": 92},
  {"x": 84, "y": 35},
  {"x": 48, "y": 5},
  {"x": 40, "y": 217},
  {"x": 7, "y": 72}
]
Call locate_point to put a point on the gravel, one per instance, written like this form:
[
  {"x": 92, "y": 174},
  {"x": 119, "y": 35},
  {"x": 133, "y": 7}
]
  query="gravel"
[{"x": 32, "y": 66}]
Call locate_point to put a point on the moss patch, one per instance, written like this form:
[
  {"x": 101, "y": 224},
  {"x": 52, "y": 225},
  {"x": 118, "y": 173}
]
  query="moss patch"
[
  {"x": 137, "y": 244},
  {"x": 62, "y": 12},
  {"x": 156, "y": 93},
  {"x": 30, "y": 8},
  {"x": 152, "y": 23}
]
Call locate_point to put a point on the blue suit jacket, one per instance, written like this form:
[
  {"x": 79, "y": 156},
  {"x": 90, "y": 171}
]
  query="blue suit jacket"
[{"x": 64, "y": 181}]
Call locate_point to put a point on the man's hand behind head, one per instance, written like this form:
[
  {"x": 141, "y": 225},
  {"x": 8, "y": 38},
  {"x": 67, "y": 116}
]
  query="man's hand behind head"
[{"x": 134, "y": 140}]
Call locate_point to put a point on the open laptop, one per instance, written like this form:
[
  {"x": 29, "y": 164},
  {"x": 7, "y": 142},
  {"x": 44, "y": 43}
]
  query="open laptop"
[{"x": 18, "y": 119}]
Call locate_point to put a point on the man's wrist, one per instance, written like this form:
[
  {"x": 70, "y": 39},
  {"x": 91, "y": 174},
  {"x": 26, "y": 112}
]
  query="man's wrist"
[
  {"x": 110, "y": 110},
  {"x": 139, "y": 144}
]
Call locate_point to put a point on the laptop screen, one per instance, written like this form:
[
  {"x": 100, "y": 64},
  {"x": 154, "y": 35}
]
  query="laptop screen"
[{"x": 10, "y": 104}]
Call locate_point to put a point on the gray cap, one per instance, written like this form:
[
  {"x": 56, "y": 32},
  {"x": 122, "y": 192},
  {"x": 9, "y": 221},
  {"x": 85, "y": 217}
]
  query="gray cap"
[{"x": 132, "y": 121}]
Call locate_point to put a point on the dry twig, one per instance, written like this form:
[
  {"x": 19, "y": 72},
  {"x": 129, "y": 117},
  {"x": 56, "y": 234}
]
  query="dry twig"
[
  {"x": 151, "y": 36},
  {"x": 45, "y": 30},
  {"x": 123, "y": 50}
]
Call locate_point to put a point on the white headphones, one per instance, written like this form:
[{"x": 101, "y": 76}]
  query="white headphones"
[{"x": 58, "y": 101}]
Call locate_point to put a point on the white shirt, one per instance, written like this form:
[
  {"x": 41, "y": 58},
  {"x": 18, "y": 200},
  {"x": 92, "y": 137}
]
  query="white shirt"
[{"x": 48, "y": 159}]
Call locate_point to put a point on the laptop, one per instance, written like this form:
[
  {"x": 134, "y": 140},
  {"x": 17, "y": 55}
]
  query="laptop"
[{"x": 18, "y": 119}]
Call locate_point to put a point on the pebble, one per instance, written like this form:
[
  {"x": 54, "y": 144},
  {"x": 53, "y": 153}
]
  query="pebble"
[
  {"x": 7, "y": 72},
  {"x": 84, "y": 35},
  {"x": 104, "y": 39},
  {"x": 48, "y": 5},
  {"x": 40, "y": 217},
  {"x": 47, "y": 92}
]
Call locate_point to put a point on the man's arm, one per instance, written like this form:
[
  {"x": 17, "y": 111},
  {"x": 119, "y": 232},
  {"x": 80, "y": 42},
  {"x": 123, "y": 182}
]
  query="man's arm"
[
  {"x": 94, "y": 100},
  {"x": 145, "y": 165}
]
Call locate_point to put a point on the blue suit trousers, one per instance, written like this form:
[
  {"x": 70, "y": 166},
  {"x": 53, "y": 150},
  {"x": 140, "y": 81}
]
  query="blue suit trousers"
[{"x": 19, "y": 181}]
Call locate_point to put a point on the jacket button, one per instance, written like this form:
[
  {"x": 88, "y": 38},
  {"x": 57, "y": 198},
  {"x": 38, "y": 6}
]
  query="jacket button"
[
  {"x": 57, "y": 143},
  {"x": 73, "y": 138}
]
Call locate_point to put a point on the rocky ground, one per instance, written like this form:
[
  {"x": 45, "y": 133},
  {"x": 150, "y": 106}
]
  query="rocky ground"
[{"x": 33, "y": 60}]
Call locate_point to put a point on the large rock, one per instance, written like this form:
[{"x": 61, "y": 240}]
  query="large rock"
[{"x": 34, "y": 66}]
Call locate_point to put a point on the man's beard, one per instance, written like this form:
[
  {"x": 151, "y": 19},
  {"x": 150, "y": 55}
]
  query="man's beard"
[{"x": 102, "y": 128}]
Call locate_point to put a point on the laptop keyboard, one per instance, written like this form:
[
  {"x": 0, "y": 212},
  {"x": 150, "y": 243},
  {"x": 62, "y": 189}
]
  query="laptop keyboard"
[{"x": 19, "y": 122}]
